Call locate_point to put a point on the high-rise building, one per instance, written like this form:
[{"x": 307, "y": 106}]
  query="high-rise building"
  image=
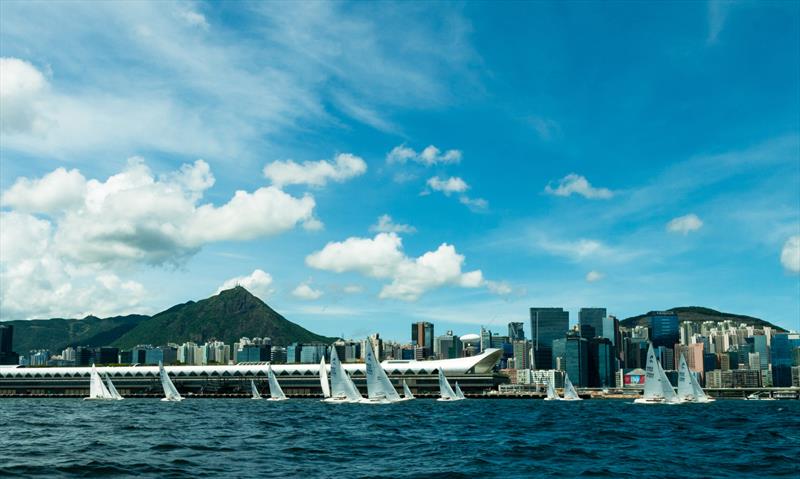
[
  {"x": 7, "y": 355},
  {"x": 591, "y": 322},
  {"x": 449, "y": 346},
  {"x": 486, "y": 339},
  {"x": 576, "y": 354},
  {"x": 761, "y": 346},
  {"x": 515, "y": 332},
  {"x": 422, "y": 336},
  {"x": 601, "y": 363},
  {"x": 107, "y": 355},
  {"x": 522, "y": 353},
  {"x": 664, "y": 328},
  {"x": 781, "y": 359},
  {"x": 547, "y": 324}
]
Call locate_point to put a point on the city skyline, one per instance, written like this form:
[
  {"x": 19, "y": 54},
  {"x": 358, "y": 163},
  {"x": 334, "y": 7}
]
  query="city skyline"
[{"x": 634, "y": 164}]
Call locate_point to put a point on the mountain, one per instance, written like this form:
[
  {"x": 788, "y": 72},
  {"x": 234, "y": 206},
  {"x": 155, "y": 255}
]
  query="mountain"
[
  {"x": 700, "y": 314},
  {"x": 58, "y": 333},
  {"x": 226, "y": 316}
]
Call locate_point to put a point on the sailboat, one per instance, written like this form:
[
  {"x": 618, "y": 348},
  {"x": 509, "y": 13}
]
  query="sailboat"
[
  {"x": 170, "y": 393},
  {"x": 570, "y": 394},
  {"x": 275, "y": 391},
  {"x": 342, "y": 388},
  {"x": 407, "y": 396},
  {"x": 551, "y": 392},
  {"x": 379, "y": 388},
  {"x": 446, "y": 393},
  {"x": 459, "y": 393},
  {"x": 97, "y": 390},
  {"x": 323, "y": 379},
  {"x": 114, "y": 393},
  {"x": 689, "y": 389},
  {"x": 657, "y": 388},
  {"x": 254, "y": 390}
]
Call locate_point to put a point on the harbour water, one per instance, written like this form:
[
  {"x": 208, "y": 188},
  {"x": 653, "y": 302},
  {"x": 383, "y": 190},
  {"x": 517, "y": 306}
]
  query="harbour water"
[{"x": 415, "y": 439}]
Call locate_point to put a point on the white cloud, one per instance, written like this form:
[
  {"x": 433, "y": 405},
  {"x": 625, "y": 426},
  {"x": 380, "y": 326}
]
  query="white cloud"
[
  {"x": 573, "y": 183},
  {"x": 717, "y": 13},
  {"x": 353, "y": 289},
  {"x": 129, "y": 219},
  {"x": 685, "y": 224},
  {"x": 386, "y": 225},
  {"x": 475, "y": 204},
  {"x": 499, "y": 287},
  {"x": 315, "y": 173},
  {"x": 382, "y": 257},
  {"x": 56, "y": 191},
  {"x": 305, "y": 291},
  {"x": 790, "y": 254},
  {"x": 546, "y": 128},
  {"x": 593, "y": 276},
  {"x": 258, "y": 282},
  {"x": 21, "y": 88},
  {"x": 430, "y": 156},
  {"x": 194, "y": 19},
  {"x": 447, "y": 186}
]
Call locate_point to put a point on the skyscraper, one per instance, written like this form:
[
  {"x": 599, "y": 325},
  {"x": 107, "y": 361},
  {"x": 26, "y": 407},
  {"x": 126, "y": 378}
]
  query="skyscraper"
[
  {"x": 591, "y": 322},
  {"x": 547, "y": 324},
  {"x": 601, "y": 363},
  {"x": 515, "y": 332},
  {"x": 422, "y": 336},
  {"x": 576, "y": 354},
  {"x": 664, "y": 328},
  {"x": 449, "y": 346},
  {"x": 7, "y": 355}
]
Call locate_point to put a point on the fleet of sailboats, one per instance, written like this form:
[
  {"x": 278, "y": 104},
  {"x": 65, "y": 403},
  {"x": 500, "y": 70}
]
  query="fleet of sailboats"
[
  {"x": 170, "y": 393},
  {"x": 446, "y": 392}
]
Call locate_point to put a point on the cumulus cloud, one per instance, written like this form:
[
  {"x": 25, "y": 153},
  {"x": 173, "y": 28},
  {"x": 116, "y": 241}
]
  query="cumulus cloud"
[
  {"x": 577, "y": 184},
  {"x": 447, "y": 186},
  {"x": 430, "y": 156},
  {"x": 386, "y": 225},
  {"x": 306, "y": 292},
  {"x": 593, "y": 276},
  {"x": 685, "y": 224},
  {"x": 131, "y": 218},
  {"x": 315, "y": 173},
  {"x": 790, "y": 254},
  {"x": 382, "y": 257},
  {"x": 194, "y": 19},
  {"x": 21, "y": 89},
  {"x": 258, "y": 282}
]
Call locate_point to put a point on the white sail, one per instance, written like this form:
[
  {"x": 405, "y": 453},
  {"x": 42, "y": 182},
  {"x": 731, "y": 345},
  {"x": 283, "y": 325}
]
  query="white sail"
[
  {"x": 699, "y": 394},
  {"x": 669, "y": 392},
  {"x": 653, "y": 391},
  {"x": 570, "y": 394},
  {"x": 342, "y": 387},
  {"x": 97, "y": 390},
  {"x": 378, "y": 384},
  {"x": 170, "y": 393},
  {"x": 275, "y": 391},
  {"x": 459, "y": 393},
  {"x": 111, "y": 389},
  {"x": 323, "y": 378},
  {"x": 551, "y": 391},
  {"x": 254, "y": 390},
  {"x": 446, "y": 393},
  {"x": 406, "y": 391},
  {"x": 685, "y": 389}
]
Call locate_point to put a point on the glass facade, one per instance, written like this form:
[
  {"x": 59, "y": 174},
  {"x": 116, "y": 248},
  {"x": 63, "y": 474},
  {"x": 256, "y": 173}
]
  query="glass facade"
[
  {"x": 547, "y": 325},
  {"x": 591, "y": 322},
  {"x": 664, "y": 329}
]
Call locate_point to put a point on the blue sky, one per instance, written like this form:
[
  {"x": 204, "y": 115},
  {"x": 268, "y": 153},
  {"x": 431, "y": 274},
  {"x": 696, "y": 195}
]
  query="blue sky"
[{"x": 633, "y": 156}]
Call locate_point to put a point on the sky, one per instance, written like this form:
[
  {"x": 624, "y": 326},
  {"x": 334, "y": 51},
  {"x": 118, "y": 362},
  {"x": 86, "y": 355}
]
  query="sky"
[{"x": 362, "y": 166}]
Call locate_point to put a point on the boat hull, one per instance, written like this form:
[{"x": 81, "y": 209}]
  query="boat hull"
[
  {"x": 100, "y": 399},
  {"x": 277, "y": 399},
  {"x": 171, "y": 400},
  {"x": 449, "y": 399}
]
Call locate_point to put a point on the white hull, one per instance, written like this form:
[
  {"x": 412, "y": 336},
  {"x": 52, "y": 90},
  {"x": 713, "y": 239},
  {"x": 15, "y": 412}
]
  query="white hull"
[
  {"x": 172, "y": 399},
  {"x": 375, "y": 401},
  {"x": 100, "y": 399},
  {"x": 450, "y": 399},
  {"x": 551, "y": 399},
  {"x": 655, "y": 401},
  {"x": 277, "y": 399},
  {"x": 338, "y": 400},
  {"x": 570, "y": 399}
]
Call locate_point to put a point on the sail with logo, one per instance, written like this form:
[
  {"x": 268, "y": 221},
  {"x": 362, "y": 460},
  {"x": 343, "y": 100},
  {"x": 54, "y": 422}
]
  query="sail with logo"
[
  {"x": 379, "y": 388},
  {"x": 342, "y": 388}
]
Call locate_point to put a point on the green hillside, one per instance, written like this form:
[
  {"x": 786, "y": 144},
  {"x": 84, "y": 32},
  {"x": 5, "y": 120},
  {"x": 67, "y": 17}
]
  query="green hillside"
[{"x": 701, "y": 314}]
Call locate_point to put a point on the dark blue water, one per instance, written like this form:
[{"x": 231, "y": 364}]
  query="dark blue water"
[{"x": 422, "y": 438}]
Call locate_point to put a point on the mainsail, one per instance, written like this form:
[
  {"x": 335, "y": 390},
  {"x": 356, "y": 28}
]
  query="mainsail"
[
  {"x": 699, "y": 394},
  {"x": 97, "y": 390},
  {"x": 254, "y": 390},
  {"x": 275, "y": 391},
  {"x": 551, "y": 391},
  {"x": 445, "y": 391},
  {"x": 378, "y": 384},
  {"x": 653, "y": 391},
  {"x": 685, "y": 390},
  {"x": 323, "y": 378},
  {"x": 170, "y": 393},
  {"x": 669, "y": 393},
  {"x": 114, "y": 393},
  {"x": 459, "y": 393},
  {"x": 406, "y": 391},
  {"x": 341, "y": 385},
  {"x": 570, "y": 394}
]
